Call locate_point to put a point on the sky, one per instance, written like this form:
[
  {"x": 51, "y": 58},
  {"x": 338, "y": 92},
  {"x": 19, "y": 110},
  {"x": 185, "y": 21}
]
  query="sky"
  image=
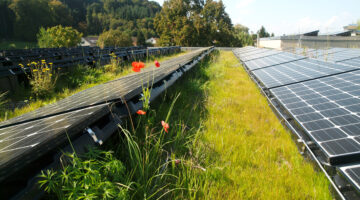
[{"x": 293, "y": 16}]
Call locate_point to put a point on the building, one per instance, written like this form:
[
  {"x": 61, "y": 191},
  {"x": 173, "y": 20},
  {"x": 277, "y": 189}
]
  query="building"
[
  {"x": 354, "y": 28},
  {"x": 89, "y": 41},
  {"x": 152, "y": 41}
]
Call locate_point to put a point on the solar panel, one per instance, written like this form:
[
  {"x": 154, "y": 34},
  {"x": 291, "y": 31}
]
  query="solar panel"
[
  {"x": 298, "y": 71},
  {"x": 262, "y": 54},
  {"x": 272, "y": 60},
  {"x": 23, "y": 143},
  {"x": 123, "y": 87},
  {"x": 353, "y": 62},
  {"x": 243, "y": 56},
  {"x": 245, "y": 49},
  {"x": 352, "y": 174},
  {"x": 328, "y": 109}
]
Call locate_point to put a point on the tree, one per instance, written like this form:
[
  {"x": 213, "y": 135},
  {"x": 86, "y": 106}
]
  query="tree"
[
  {"x": 6, "y": 20},
  {"x": 140, "y": 39},
  {"x": 262, "y": 32},
  {"x": 194, "y": 23},
  {"x": 241, "y": 28},
  {"x": 114, "y": 38},
  {"x": 58, "y": 36},
  {"x": 30, "y": 15}
]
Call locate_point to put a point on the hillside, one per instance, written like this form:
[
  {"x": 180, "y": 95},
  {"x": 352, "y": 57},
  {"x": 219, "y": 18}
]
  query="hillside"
[{"x": 22, "y": 19}]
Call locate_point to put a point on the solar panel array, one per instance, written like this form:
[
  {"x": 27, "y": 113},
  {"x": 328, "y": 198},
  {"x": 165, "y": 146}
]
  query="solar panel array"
[
  {"x": 25, "y": 138},
  {"x": 323, "y": 98},
  {"x": 66, "y": 57}
]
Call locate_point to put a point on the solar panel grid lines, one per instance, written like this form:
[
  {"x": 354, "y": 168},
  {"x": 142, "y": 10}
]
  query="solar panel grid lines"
[
  {"x": 63, "y": 57},
  {"x": 352, "y": 173},
  {"x": 326, "y": 112},
  {"x": 24, "y": 143},
  {"x": 323, "y": 98},
  {"x": 252, "y": 52},
  {"x": 245, "y": 49},
  {"x": 299, "y": 71},
  {"x": 260, "y": 55},
  {"x": 256, "y": 54},
  {"x": 272, "y": 60},
  {"x": 111, "y": 91}
]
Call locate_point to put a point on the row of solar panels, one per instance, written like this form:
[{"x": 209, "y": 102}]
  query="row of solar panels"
[
  {"x": 65, "y": 57},
  {"x": 322, "y": 97},
  {"x": 337, "y": 55},
  {"x": 27, "y": 139}
]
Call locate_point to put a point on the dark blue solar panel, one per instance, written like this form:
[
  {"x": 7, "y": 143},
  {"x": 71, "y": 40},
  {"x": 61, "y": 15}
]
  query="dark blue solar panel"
[
  {"x": 272, "y": 60},
  {"x": 329, "y": 111},
  {"x": 298, "y": 71}
]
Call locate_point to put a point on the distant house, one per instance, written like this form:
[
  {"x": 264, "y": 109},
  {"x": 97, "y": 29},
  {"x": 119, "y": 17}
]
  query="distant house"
[
  {"x": 134, "y": 41},
  {"x": 152, "y": 41},
  {"x": 354, "y": 28},
  {"x": 89, "y": 41}
]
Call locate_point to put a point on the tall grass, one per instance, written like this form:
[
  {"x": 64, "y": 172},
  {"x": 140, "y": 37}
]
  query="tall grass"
[
  {"x": 249, "y": 155},
  {"x": 156, "y": 163},
  {"x": 224, "y": 142}
]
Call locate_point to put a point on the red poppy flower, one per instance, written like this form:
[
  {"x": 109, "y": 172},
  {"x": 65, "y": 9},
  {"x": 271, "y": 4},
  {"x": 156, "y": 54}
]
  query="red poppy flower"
[
  {"x": 135, "y": 69},
  {"x": 141, "y": 65},
  {"x": 134, "y": 64},
  {"x": 157, "y": 64},
  {"x": 137, "y": 66},
  {"x": 141, "y": 112},
  {"x": 165, "y": 126}
]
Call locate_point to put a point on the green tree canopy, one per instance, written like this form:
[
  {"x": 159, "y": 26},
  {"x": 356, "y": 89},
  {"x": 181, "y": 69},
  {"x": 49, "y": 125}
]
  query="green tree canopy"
[
  {"x": 263, "y": 33},
  {"x": 30, "y": 15},
  {"x": 58, "y": 36},
  {"x": 194, "y": 23},
  {"x": 114, "y": 38}
]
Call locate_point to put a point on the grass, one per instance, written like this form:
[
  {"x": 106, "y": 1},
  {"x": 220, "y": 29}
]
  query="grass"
[
  {"x": 70, "y": 82},
  {"x": 224, "y": 142},
  {"x": 4, "y": 45},
  {"x": 249, "y": 153}
]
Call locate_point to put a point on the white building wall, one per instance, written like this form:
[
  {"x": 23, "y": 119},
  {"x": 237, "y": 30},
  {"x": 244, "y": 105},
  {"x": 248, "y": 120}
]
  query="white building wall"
[{"x": 273, "y": 44}]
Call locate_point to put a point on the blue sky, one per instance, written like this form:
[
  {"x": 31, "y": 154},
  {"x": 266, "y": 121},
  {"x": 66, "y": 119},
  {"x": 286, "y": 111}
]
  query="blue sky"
[{"x": 293, "y": 16}]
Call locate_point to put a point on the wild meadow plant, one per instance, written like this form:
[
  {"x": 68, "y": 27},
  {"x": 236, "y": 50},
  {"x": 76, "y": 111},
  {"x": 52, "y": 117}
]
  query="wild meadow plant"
[
  {"x": 115, "y": 64},
  {"x": 42, "y": 77},
  {"x": 145, "y": 164}
]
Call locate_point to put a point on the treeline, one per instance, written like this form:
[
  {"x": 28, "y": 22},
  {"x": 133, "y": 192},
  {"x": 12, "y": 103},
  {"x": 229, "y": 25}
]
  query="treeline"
[
  {"x": 198, "y": 23},
  {"x": 22, "y": 19}
]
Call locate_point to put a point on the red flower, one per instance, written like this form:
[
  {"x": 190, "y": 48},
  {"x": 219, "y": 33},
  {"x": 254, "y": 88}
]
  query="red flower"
[
  {"x": 141, "y": 64},
  {"x": 157, "y": 64},
  {"x": 141, "y": 112},
  {"x": 137, "y": 66},
  {"x": 135, "y": 69},
  {"x": 165, "y": 126}
]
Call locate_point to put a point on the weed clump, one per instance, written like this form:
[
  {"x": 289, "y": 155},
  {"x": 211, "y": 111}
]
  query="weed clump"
[
  {"x": 97, "y": 175},
  {"x": 42, "y": 78}
]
